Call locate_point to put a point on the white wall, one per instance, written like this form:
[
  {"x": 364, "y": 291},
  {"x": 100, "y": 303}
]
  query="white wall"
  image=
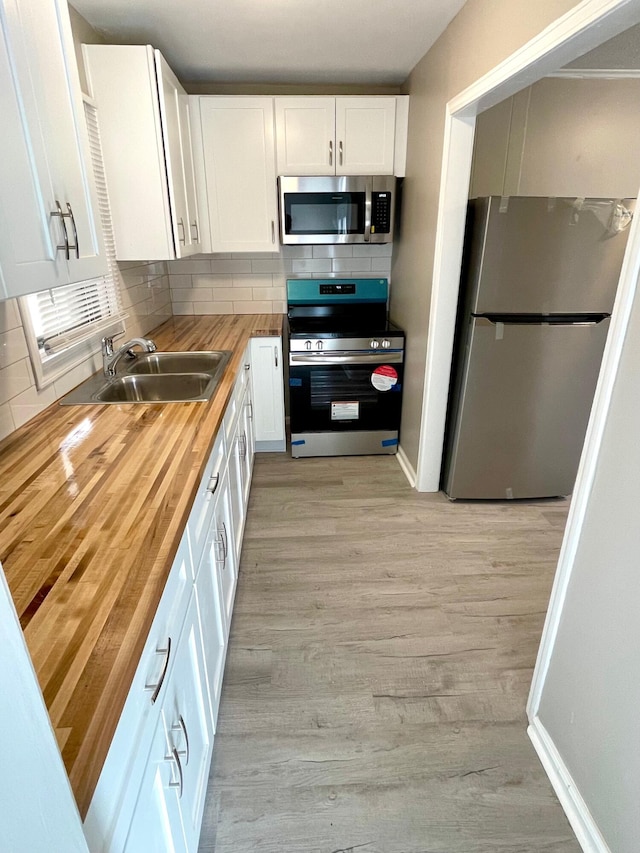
[
  {"x": 38, "y": 812},
  {"x": 591, "y": 695},
  {"x": 561, "y": 137},
  {"x": 254, "y": 283}
]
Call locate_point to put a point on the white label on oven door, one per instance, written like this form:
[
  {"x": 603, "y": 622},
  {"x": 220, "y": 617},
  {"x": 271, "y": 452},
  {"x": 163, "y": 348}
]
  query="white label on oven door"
[{"x": 349, "y": 411}]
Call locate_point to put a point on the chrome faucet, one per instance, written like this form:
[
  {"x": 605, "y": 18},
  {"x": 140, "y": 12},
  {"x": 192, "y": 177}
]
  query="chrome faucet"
[{"x": 110, "y": 358}]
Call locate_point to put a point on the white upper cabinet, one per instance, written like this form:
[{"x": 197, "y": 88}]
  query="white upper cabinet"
[
  {"x": 50, "y": 232},
  {"x": 305, "y": 135},
  {"x": 236, "y": 151},
  {"x": 365, "y": 135},
  {"x": 146, "y": 142},
  {"x": 341, "y": 136}
]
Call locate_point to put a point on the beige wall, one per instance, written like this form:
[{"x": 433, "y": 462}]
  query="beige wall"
[
  {"x": 561, "y": 137},
  {"x": 482, "y": 34}
]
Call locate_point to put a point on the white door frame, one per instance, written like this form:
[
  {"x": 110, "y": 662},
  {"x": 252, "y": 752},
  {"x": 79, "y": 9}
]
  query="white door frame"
[{"x": 582, "y": 28}]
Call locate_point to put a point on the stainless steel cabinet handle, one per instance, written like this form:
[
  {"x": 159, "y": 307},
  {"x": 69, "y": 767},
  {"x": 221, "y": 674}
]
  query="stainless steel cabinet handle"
[
  {"x": 225, "y": 544},
  {"x": 331, "y": 152},
  {"x": 75, "y": 231},
  {"x": 194, "y": 224},
  {"x": 247, "y": 366},
  {"x": 180, "y": 726},
  {"x": 249, "y": 405},
  {"x": 65, "y": 246},
  {"x": 180, "y": 783},
  {"x": 273, "y": 231},
  {"x": 183, "y": 239},
  {"x": 341, "y": 153},
  {"x": 275, "y": 355},
  {"x": 158, "y": 687},
  {"x": 213, "y": 483}
]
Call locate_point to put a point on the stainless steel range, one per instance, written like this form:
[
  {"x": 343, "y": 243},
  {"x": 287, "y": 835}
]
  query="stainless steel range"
[{"x": 345, "y": 368}]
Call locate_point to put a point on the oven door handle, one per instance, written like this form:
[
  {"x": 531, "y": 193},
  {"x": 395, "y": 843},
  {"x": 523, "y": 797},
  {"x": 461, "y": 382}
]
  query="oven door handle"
[{"x": 385, "y": 357}]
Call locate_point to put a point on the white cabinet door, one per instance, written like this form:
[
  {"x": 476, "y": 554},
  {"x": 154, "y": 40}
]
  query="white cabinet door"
[
  {"x": 189, "y": 726},
  {"x": 267, "y": 386},
  {"x": 44, "y": 159},
  {"x": 239, "y": 165},
  {"x": 216, "y": 574},
  {"x": 146, "y": 142},
  {"x": 365, "y": 135},
  {"x": 305, "y": 136},
  {"x": 193, "y": 218},
  {"x": 157, "y": 822},
  {"x": 169, "y": 92},
  {"x": 248, "y": 444}
]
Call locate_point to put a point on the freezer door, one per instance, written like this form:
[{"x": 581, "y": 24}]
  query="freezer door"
[
  {"x": 544, "y": 256},
  {"x": 519, "y": 422}
]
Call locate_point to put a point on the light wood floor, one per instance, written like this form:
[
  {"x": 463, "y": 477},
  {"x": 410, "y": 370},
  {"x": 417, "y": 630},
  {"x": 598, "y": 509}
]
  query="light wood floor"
[{"x": 380, "y": 658}]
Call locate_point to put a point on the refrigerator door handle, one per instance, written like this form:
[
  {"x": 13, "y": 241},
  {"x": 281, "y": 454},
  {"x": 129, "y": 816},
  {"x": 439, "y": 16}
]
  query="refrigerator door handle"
[{"x": 540, "y": 319}]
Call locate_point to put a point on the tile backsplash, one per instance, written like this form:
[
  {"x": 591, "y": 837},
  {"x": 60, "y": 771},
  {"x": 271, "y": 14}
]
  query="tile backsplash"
[
  {"x": 146, "y": 298},
  {"x": 255, "y": 283}
]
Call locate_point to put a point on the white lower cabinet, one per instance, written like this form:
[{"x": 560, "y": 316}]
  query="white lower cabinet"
[
  {"x": 157, "y": 823},
  {"x": 267, "y": 387},
  {"x": 215, "y": 588},
  {"x": 151, "y": 792},
  {"x": 188, "y": 724}
]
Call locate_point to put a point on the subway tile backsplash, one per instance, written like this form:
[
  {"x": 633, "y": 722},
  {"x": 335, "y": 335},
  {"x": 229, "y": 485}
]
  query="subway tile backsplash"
[{"x": 255, "y": 283}]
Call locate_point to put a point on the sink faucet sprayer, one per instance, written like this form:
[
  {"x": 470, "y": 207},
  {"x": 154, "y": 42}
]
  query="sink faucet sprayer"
[{"x": 110, "y": 358}]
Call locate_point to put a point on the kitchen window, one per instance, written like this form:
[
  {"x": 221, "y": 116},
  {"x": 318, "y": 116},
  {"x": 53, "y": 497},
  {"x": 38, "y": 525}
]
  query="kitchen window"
[{"x": 63, "y": 326}]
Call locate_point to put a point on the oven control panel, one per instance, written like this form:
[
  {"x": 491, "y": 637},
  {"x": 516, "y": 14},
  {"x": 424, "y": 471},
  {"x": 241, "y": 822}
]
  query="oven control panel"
[{"x": 393, "y": 343}]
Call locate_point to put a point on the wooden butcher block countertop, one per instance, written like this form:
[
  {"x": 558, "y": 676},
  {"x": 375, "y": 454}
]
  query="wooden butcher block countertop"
[{"x": 93, "y": 503}]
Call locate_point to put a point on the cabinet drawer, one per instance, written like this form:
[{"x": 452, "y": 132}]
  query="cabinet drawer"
[
  {"x": 234, "y": 404},
  {"x": 115, "y": 794},
  {"x": 200, "y": 515}
]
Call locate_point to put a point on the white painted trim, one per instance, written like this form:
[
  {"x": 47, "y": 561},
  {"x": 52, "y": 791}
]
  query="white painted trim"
[
  {"x": 597, "y": 73},
  {"x": 582, "y": 822},
  {"x": 454, "y": 196},
  {"x": 582, "y": 28},
  {"x": 620, "y": 319},
  {"x": 406, "y": 466}
]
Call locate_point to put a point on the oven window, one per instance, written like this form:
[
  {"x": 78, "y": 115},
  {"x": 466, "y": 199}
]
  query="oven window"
[
  {"x": 324, "y": 213},
  {"x": 342, "y": 397}
]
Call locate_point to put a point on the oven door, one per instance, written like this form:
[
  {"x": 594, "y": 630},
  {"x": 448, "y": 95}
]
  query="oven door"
[{"x": 345, "y": 391}]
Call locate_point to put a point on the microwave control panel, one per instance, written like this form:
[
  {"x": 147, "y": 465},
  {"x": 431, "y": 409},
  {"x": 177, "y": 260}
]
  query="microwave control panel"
[{"x": 380, "y": 212}]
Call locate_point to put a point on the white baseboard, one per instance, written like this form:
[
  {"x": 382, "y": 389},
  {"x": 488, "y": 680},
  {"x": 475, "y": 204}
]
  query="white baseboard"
[
  {"x": 407, "y": 467},
  {"x": 575, "y": 808}
]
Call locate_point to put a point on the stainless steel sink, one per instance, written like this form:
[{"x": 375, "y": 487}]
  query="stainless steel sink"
[
  {"x": 158, "y": 377},
  {"x": 170, "y": 388},
  {"x": 178, "y": 362}
]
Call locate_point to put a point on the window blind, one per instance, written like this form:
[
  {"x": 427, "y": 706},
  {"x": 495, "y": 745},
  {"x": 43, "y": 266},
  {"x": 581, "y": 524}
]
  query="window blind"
[{"x": 73, "y": 313}]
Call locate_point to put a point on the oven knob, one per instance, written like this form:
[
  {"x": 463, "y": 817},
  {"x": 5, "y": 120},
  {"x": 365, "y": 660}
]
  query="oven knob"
[
  {"x": 319, "y": 345},
  {"x": 374, "y": 344},
  {"x": 386, "y": 343},
  {"x": 307, "y": 344}
]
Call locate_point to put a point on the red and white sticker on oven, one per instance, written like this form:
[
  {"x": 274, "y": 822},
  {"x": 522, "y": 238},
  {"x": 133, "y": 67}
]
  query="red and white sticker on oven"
[{"x": 384, "y": 377}]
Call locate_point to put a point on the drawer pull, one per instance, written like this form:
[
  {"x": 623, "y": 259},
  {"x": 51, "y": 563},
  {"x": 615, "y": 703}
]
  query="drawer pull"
[
  {"x": 158, "y": 687},
  {"x": 213, "y": 483},
  {"x": 180, "y": 783},
  {"x": 180, "y": 726}
]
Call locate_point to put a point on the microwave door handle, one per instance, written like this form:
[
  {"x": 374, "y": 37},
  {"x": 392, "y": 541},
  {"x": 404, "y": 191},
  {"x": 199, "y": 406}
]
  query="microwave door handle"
[{"x": 367, "y": 210}]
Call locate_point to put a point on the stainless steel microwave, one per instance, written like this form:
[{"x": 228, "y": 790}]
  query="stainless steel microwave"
[{"x": 349, "y": 209}]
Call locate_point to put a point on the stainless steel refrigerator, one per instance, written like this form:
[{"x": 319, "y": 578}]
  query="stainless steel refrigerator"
[{"x": 539, "y": 282}]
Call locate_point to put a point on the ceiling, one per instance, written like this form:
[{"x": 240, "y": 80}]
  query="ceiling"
[{"x": 357, "y": 42}]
